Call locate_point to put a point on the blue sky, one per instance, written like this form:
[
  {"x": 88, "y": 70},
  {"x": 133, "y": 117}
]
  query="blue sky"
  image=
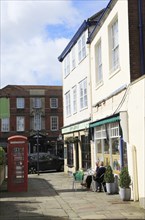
[{"x": 33, "y": 35}]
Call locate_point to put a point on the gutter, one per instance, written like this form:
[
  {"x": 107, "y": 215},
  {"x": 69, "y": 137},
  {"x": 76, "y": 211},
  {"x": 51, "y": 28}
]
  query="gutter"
[
  {"x": 142, "y": 57},
  {"x": 73, "y": 41}
]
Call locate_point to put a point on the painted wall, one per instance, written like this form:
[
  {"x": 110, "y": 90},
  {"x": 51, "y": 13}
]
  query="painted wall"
[
  {"x": 74, "y": 78},
  {"x": 121, "y": 77},
  {"x": 136, "y": 122}
]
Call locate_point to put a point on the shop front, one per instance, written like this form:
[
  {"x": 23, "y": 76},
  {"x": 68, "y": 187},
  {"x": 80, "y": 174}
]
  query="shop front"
[
  {"x": 109, "y": 145},
  {"x": 77, "y": 149}
]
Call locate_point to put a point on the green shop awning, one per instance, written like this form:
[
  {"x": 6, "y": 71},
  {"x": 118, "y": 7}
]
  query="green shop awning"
[
  {"x": 4, "y": 108},
  {"x": 105, "y": 121}
]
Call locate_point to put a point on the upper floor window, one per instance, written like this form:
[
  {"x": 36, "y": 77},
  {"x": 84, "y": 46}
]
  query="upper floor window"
[
  {"x": 5, "y": 124},
  {"x": 20, "y": 103},
  {"x": 73, "y": 58},
  {"x": 68, "y": 105},
  {"x": 54, "y": 103},
  {"x": 114, "y": 46},
  {"x": 54, "y": 123},
  {"x": 37, "y": 103},
  {"x": 67, "y": 65},
  {"x": 99, "y": 75},
  {"x": 82, "y": 47},
  {"x": 83, "y": 94},
  {"x": 20, "y": 123},
  {"x": 114, "y": 130},
  {"x": 37, "y": 121},
  {"x": 74, "y": 96}
]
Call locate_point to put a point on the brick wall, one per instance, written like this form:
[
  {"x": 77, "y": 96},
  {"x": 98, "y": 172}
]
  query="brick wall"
[{"x": 134, "y": 38}]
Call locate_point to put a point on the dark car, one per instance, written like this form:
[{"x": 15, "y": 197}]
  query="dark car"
[{"x": 46, "y": 162}]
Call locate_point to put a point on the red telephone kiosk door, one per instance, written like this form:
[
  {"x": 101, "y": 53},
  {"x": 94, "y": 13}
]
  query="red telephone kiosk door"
[{"x": 17, "y": 163}]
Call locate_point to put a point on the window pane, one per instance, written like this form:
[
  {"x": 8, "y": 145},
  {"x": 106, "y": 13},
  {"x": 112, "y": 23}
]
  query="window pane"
[
  {"x": 37, "y": 103},
  {"x": 70, "y": 154},
  {"x": 37, "y": 122},
  {"x": 81, "y": 47},
  {"x": 20, "y": 123},
  {"x": 74, "y": 99},
  {"x": 115, "y": 46},
  {"x": 68, "y": 104},
  {"x": 73, "y": 58},
  {"x": 98, "y": 63},
  {"x": 54, "y": 103},
  {"x": 5, "y": 124},
  {"x": 54, "y": 123},
  {"x": 86, "y": 152},
  {"x": 20, "y": 103},
  {"x": 83, "y": 94}
]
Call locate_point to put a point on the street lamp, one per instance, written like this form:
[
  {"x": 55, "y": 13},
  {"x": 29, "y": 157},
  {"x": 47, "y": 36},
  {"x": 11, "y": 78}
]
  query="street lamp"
[{"x": 38, "y": 152}]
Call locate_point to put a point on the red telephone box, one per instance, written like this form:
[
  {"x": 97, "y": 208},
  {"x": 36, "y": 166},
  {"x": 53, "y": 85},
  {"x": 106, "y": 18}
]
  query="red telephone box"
[{"x": 17, "y": 163}]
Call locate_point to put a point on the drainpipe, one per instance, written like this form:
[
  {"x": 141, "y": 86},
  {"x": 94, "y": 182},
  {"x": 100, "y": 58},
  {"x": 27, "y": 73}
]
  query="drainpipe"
[
  {"x": 121, "y": 152},
  {"x": 135, "y": 174},
  {"x": 142, "y": 58}
]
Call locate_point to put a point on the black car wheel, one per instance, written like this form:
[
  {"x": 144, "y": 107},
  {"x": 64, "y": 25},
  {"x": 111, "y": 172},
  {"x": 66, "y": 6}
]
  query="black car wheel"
[{"x": 32, "y": 170}]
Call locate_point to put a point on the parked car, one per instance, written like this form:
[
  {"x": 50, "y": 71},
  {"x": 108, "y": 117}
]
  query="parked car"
[{"x": 46, "y": 162}]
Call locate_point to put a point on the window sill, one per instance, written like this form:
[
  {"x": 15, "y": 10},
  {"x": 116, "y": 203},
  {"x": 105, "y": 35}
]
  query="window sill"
[
  {"x": 112, "y": 73},
  {"x": 99, "y": 84}
]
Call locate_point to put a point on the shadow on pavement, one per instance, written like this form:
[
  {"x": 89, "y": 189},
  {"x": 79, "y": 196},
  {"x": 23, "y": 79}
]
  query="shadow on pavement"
[
  {"x": 36, "y": 187},
  {"x": 25, "y": 205}
]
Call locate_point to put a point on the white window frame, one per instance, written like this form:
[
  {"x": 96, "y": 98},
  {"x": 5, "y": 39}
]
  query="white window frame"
[
  {"x": 37, "y": 121},
  {"x": 67, "y": 65},
  {"x": 114, "y": 46},
  {"x": 37, "y": 102},
  {"x": 20, "y": 123},
  {"x": 20, "y": 103},
  {"x": 100, "y": 132},
  {"x": 99, "y": 72},
  {"x": 82, "y": 48},
  {"x": 54, "y": 123},
  {"x": 68, "y": 104},
  {"x": 83, "y": 94},
  {"x": 53, "y": 102},
  {"x": 5, "y": 124},
  {"x": 74, "y": 99},
  {"x": 73, "y": 58},
  {"x": 114, "y": 130}
]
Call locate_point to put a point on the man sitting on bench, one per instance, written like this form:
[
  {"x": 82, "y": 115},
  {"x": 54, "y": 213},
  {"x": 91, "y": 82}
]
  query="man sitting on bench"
[{"x": 100, "y": 178}]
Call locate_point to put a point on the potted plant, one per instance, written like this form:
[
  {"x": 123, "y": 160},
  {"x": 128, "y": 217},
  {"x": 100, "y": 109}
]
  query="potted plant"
[
  {"x": 109, "y": 179},
  {"x": 124, "y": 184}
]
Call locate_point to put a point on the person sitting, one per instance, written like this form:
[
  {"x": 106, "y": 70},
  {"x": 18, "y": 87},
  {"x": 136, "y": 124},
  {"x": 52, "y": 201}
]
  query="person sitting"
[
  {"x": 88, "y": 180},
  {"x": 100, "y": 178}
]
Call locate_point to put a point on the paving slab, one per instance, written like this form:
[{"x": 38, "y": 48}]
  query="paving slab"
[{"x": 50, "y": 197}]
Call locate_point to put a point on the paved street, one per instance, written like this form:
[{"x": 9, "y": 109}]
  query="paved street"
[{"x": 50, "y": 196}]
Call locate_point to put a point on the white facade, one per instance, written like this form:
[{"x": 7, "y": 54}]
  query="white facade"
[
  {"x": 115, "y": 107},
  {"x": 73, "y": 79},
  {"x": 111, "y": 81},
  {"x": 114, "y": 94}
]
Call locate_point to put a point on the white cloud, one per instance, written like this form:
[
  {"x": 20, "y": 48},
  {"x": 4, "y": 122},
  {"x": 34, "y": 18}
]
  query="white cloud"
[{"x": 29, "y": 53}]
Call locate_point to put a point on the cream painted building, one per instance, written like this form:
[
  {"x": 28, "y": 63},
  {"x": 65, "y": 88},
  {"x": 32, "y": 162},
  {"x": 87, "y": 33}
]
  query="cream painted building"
[
  {"x": 76, "y": 98},
  {"x": 118, "y": 91},
  {"x": 104, "y": 93}
]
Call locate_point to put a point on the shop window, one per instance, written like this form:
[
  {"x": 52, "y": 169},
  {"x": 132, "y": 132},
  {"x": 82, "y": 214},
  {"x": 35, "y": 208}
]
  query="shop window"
[
  {"x": 70, "y": 161},
  {"x": 115, "y": 146},
  {"x": 99, "y": 146},
  {"x": 125, "y": 161},
  {"x": 86, "y": 152}
]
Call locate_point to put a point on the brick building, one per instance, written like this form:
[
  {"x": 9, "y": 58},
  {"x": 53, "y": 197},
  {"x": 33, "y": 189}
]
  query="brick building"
[{"x": 29, "y": 111}]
